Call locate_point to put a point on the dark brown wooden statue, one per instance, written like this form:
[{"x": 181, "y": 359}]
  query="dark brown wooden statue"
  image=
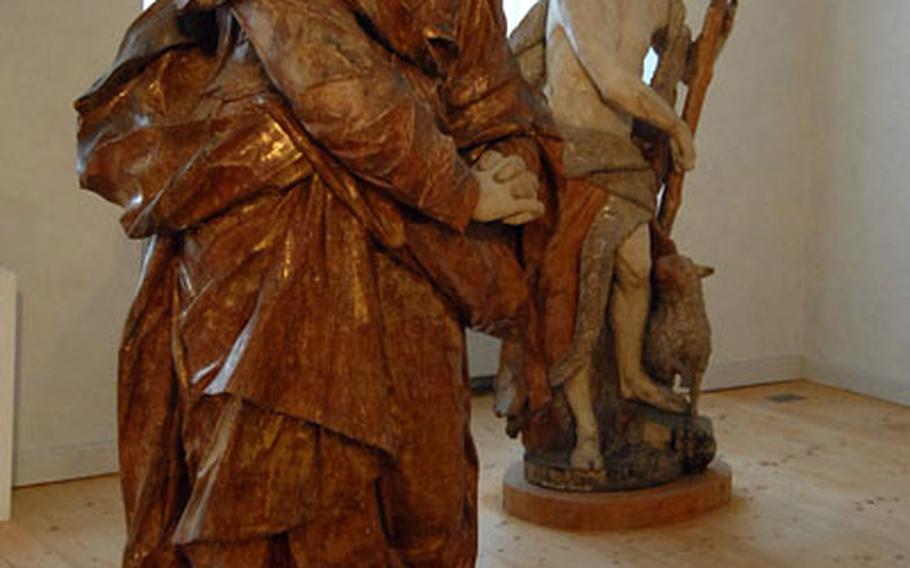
[{"x": 292, "y": 379}]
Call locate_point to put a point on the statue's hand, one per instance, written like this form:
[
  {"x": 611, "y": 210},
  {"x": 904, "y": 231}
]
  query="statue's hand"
[
  {"x": 683, "y": 147},
  {"x": 508, "y": 190}
]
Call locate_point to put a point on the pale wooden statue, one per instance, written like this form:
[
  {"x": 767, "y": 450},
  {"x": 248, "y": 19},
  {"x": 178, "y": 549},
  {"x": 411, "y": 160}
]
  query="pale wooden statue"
[
  {"x": 595, "y": 55},
  {"x": 614, "y": 344}
]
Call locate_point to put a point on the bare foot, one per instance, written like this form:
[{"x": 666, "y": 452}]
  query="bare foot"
[
  {"x": 587, "y": 456},
  {"x": 642, "y": 388}
]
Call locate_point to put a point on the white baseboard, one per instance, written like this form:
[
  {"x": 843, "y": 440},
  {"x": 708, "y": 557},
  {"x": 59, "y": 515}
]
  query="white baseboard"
[
  {"x": 853, "y": 381},
  {"x": 48, "y": 465},
  {"x": 8, "y": 327},
  {"x": 754, "y": 372}
]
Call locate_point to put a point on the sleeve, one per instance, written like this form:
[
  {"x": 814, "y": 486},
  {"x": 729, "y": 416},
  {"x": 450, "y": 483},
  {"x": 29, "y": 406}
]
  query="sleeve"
[
  {"x": 346, "y": 92},
  {"x": 492, "y": 107},
  {"x": 487, "y": 97}
]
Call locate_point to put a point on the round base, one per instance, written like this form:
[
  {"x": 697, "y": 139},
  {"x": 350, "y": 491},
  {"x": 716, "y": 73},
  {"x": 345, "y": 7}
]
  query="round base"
[{"x": 684, "y": 499}]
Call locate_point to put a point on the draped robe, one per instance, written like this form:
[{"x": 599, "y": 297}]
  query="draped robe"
[{"x": 301, "y": 170}]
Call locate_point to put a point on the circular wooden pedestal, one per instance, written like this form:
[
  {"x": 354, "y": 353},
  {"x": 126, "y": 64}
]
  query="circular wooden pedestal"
[{"x": 681, "y": 500}]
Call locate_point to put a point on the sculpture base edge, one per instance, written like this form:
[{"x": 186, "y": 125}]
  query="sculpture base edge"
[{"x": 684, "y": 499}]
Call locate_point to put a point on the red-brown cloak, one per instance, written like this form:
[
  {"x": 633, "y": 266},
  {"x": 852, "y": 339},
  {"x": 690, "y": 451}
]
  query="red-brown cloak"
[{"x": 302, "y": 170}]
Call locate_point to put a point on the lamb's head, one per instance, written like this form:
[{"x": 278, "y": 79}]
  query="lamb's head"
[{"x": 675, "y": 275}]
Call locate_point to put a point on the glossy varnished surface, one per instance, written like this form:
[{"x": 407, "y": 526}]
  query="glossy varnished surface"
[
  {"x": 303, "y": 172},
  {"x": 820, "y": 482}
]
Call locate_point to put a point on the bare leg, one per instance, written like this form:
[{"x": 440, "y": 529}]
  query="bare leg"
[
  {"x": 579, "y": 393},
  {"x": 631, "y": 299}
]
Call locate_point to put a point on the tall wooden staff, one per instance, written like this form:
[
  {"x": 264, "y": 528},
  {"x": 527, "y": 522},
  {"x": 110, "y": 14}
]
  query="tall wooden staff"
[{"x": 719, "y": 22}]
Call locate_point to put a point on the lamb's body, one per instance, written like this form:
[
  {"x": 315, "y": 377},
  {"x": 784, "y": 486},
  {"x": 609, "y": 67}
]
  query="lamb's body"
[{"x": 678, "y": 341}]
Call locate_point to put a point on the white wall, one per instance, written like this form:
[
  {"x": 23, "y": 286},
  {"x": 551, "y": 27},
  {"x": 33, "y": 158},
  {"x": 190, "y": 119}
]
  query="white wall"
[
  {"x": 745, "y": 205},
  {"x": 858, "y": 321},
  {"x": 76, "y": 270},
  {"x": 515, "y": 10}
]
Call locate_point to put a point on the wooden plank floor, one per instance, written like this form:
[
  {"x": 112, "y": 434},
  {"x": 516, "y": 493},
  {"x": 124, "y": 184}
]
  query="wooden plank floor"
[{"x": 821, "y": 480}]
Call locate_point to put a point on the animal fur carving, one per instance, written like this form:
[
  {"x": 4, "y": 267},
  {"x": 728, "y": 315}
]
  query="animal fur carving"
[{"x": 678, "y": 340}]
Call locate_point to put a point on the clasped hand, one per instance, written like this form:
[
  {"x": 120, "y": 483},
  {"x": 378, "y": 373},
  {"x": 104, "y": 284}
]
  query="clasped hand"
[{"x": 508, "y": 190}]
